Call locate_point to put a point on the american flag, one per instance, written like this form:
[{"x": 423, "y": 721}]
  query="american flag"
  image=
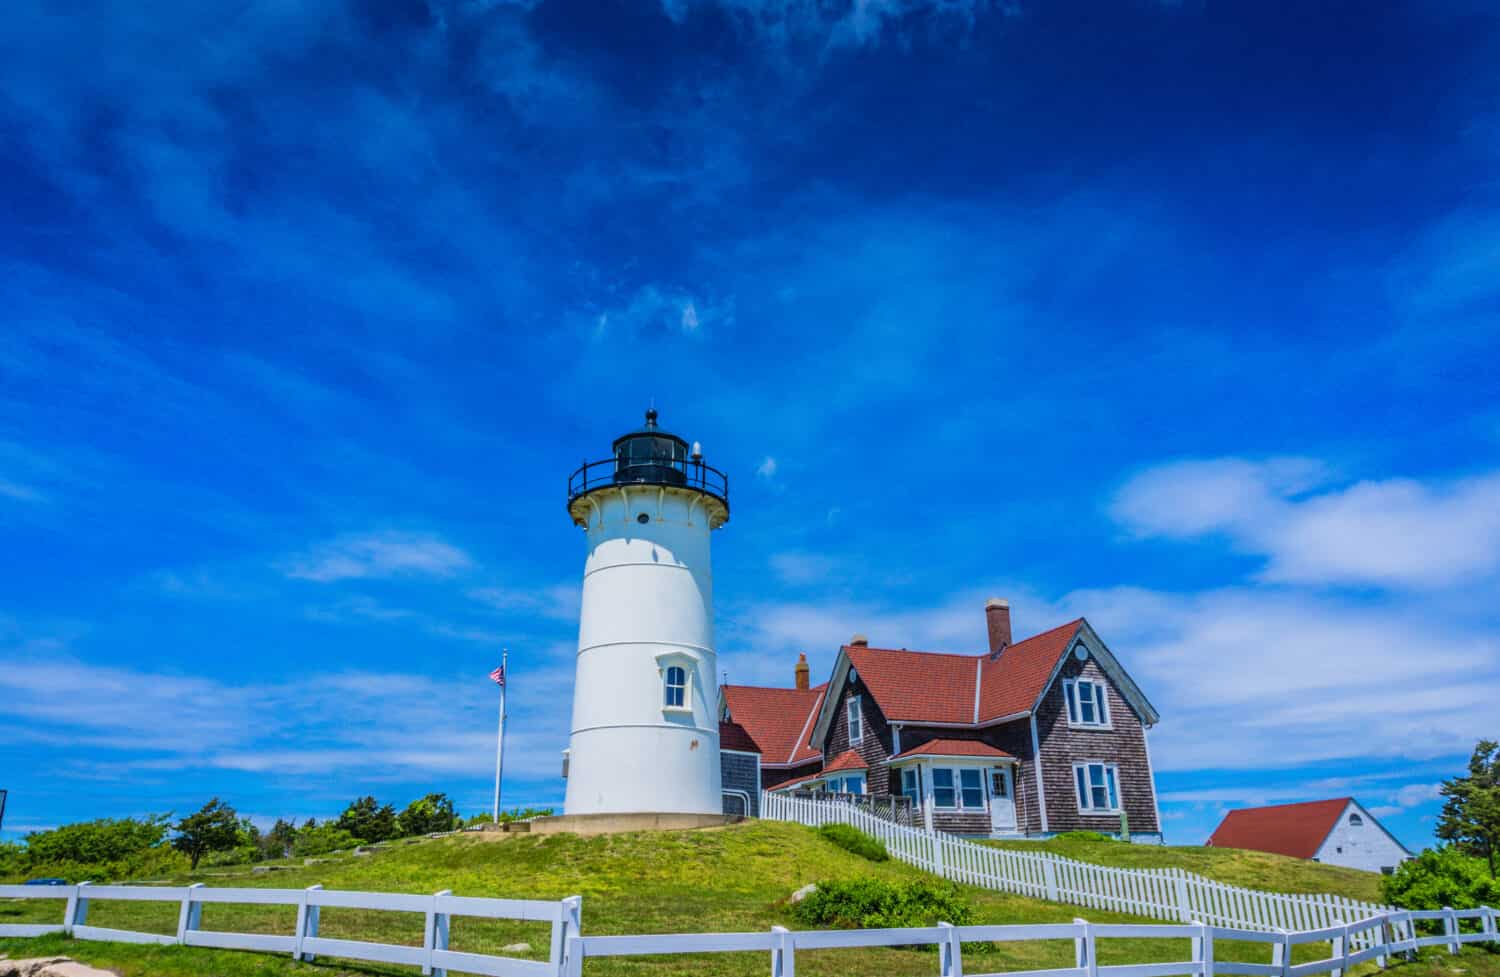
[{"x": 498, "y": 675}]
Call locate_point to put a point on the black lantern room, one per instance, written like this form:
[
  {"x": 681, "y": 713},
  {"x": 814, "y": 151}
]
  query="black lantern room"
[{"x": 651, "y": 456}]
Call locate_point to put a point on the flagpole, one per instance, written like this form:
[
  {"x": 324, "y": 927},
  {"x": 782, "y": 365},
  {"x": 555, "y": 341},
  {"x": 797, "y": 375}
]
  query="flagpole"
[{"x": 500, "y": 733}]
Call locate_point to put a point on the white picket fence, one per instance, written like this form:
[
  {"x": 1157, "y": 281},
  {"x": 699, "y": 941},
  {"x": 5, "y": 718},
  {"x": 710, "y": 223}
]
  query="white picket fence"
[
  {"x": 1163, "y": 893},
  {"x": 1383, "y": 936},
  {"x": 433, "y": 956}
]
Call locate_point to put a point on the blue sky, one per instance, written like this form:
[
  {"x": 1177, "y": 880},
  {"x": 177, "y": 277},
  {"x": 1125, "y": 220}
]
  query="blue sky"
[{"x": 1182, "y": 317}]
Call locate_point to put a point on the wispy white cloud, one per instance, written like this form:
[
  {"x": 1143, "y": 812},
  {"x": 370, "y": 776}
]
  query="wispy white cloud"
[
  {"x": 19, "y": 492},
  {"x": 378, "y": 555},
  {"x": 766, "y": 469},
  {"x": 1395, "y": 532},
  {"x": 557, "y": 602}
]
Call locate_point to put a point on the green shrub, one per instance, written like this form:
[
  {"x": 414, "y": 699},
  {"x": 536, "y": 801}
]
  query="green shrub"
[
  {"x": 102, "y": 840},
  {"x": 320, "y": 839},
  {"x": 1442, "y": 877},
  {"x": 1084, "y": 836},
  {"x": 878, "y": 904},
  {"x": 851, "y": 839}
]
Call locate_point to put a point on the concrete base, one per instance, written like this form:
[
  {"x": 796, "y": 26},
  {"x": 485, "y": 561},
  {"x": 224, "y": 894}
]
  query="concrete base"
[{"x": 608, "y": 824}]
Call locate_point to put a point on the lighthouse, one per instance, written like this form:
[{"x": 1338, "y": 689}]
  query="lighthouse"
[{"x": 645, "y": 735}]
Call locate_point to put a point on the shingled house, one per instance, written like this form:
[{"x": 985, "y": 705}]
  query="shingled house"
[{"x": 1029, "y": 739}]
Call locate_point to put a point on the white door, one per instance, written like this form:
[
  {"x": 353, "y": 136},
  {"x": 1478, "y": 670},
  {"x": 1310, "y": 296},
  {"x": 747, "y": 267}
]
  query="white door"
[{"x": 1002, "y": 800}]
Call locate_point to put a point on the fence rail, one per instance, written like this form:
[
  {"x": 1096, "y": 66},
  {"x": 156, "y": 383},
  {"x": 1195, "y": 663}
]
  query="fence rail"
[
  {"x": 433, "y": 956},
  {"x": 1385, "y": 935},
  {"x": 1393, "y": 934},
  {"x": 1163, "y": 893}
]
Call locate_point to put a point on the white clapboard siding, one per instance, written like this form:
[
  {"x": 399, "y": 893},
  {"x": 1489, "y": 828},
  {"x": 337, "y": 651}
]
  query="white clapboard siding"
[{"x": 1165, "y": 894}]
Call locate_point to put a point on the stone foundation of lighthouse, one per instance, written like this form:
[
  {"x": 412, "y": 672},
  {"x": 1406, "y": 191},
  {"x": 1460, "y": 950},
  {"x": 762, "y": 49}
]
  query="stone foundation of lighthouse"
[{"x": 645, "y": 738}]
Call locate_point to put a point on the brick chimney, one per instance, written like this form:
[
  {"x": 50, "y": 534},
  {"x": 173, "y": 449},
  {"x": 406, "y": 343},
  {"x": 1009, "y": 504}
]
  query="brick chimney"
[
  {"x": 997, "y": 616},
  {"x": 859, "y": 641},
  {"x": 802, "y": 671}
]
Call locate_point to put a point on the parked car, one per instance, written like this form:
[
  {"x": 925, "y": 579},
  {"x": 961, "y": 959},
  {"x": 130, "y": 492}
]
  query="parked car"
[{"x": 45, "y": 882}]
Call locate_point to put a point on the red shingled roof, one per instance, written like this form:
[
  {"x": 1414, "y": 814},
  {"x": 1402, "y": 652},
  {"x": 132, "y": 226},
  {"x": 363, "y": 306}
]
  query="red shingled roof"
[
  {"x": 1298, "y": 830},
  {"x": 943, "y": 747},
  {"x": 732, "y": 736},
  {"x": 779, "y": 721},
  {"x": 848, "y": 760},
  {"x": 923, "y": 686}
]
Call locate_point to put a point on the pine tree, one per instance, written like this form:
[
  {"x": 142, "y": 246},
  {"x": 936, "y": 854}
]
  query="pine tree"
[{"x": 1471, "y": 806}]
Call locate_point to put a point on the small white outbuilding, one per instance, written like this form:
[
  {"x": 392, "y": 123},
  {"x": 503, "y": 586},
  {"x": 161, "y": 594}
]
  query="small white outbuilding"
[{"x": 1338, "y": 831}]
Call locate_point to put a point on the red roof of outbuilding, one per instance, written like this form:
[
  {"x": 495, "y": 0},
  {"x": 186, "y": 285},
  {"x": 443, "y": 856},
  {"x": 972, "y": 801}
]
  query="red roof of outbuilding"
[
  {"x": 779, "y": 721},
  {"x": 924, "y": 686},
  {"x": 1297, "y": 830},
  {"x": 956, "y": 748}
]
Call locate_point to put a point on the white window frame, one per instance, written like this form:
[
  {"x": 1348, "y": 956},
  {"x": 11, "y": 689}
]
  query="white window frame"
[
  {"x": 854, "y": 710},
  {"x": 1085, "y": 796},
  {"x": 916, "y": 784},
  {"x": 664, "y": 664},
  {"x": 953, "y": 786},
  {"x": 1072, "y": 698},
  {"x": 983, "y": 793}
]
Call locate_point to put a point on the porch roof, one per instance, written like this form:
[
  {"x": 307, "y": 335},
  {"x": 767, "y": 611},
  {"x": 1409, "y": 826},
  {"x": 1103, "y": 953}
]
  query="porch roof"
[{"x": 948, "y": 749}]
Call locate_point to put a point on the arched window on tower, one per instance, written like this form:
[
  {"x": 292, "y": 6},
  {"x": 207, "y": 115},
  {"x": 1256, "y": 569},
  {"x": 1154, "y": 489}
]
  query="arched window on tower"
[{"x": 676, "y": 687}]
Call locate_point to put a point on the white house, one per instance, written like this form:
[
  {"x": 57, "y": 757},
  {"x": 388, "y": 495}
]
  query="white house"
[{"x": 1339, "y": 831}]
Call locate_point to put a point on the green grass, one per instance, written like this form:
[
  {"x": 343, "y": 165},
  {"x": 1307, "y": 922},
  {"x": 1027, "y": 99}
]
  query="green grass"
[
  {"x": 734, "y": 879},
  {"x": 1232, "y": 866}
]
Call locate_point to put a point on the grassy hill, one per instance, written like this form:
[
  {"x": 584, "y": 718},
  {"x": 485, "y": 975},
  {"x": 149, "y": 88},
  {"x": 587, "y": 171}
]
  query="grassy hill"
[{"x": 735, "y": 878}]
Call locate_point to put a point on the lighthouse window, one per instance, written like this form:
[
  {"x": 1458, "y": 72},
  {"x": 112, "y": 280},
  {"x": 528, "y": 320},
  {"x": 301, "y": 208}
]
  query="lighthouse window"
[
  {"x": 643, "y": 519},
  {"x": 676, "y": 687}
]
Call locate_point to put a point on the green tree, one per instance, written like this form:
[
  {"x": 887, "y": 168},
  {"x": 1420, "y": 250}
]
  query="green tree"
[
  {"x": 102, "y": 840},
  {"x": 278, "y": 842},
  {"x": 369, "y": 821},
  {"x": 214, "y": 828},
  {"x": 1471, "y": 806},
  {"x": 320, "y": 839},
  {"x": 428, "y": 814}
]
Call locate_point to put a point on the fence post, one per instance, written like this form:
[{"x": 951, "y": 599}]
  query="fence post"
[
  {"x": 937, "y": 855},
  {"x": 1281, "y": 952},
  {"x": 1341, "y": 950},
  {"x": 78, "y": 908},
  {"x": 573, "y": 957},
  {"x": 1450, "y": 928},
  {"x": 1184, "y": 911},
  {"x": 1203, "y": 949},
  {"x": 70, "y": 911},
  {"x": 1083, "y": 948},
  {"x": 783, "y": 953},
  {"x": 570, "y": 923},
  {"x": 435, "y": 934},
  {"x": 1382, "y": 934},
  {"x": 1049, "y": 876},
  {"x": 950, "y": 952},
  {"x": 307, "y": 923},
  {"x": 191, "y": 914}
]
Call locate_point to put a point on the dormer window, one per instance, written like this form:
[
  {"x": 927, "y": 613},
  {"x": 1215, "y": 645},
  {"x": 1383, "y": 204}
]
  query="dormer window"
[
  {"x": 856, "y": 720},
  {"x": 1088, "y": 707},
  {"x": 676, "y": 670}
]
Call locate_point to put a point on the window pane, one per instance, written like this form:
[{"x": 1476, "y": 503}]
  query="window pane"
[
  {"x": 1103, "y": 703},
  {"x": 942, "y": 778},
  {"x": 1086, "y": 702},
  {"x": 1072, "y": 696},
  {"x": 1083, "y": 794},
  {"x": 1100, "y": 798},
  {"x": 970, "y": 779},
  {"x": 1096, "y": 774},
  {"x": 855, "y": 785},
  {"x": 943, "y": 797},
  {"x": 1114, "y": 790}
]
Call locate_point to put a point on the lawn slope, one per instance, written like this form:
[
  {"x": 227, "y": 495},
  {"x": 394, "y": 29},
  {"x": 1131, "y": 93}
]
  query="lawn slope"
[{"x": 736, "y": 878}]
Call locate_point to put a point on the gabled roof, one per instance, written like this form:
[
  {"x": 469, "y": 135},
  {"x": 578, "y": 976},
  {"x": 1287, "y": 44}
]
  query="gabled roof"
[
  {"x": 848, "y": 760},
  {"x": 1298, "y": 830},
  {"x": 932, "y": 688},
  {"x": 778, "y": 721},
  {"x": 954, "y": 748}
]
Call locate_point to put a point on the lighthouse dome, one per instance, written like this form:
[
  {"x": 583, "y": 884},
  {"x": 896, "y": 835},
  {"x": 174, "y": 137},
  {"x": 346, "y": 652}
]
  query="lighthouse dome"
[{"x": 650, "y": 456}]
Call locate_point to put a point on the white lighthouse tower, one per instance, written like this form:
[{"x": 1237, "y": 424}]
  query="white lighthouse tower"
[{"x": 645, "y": 734}]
